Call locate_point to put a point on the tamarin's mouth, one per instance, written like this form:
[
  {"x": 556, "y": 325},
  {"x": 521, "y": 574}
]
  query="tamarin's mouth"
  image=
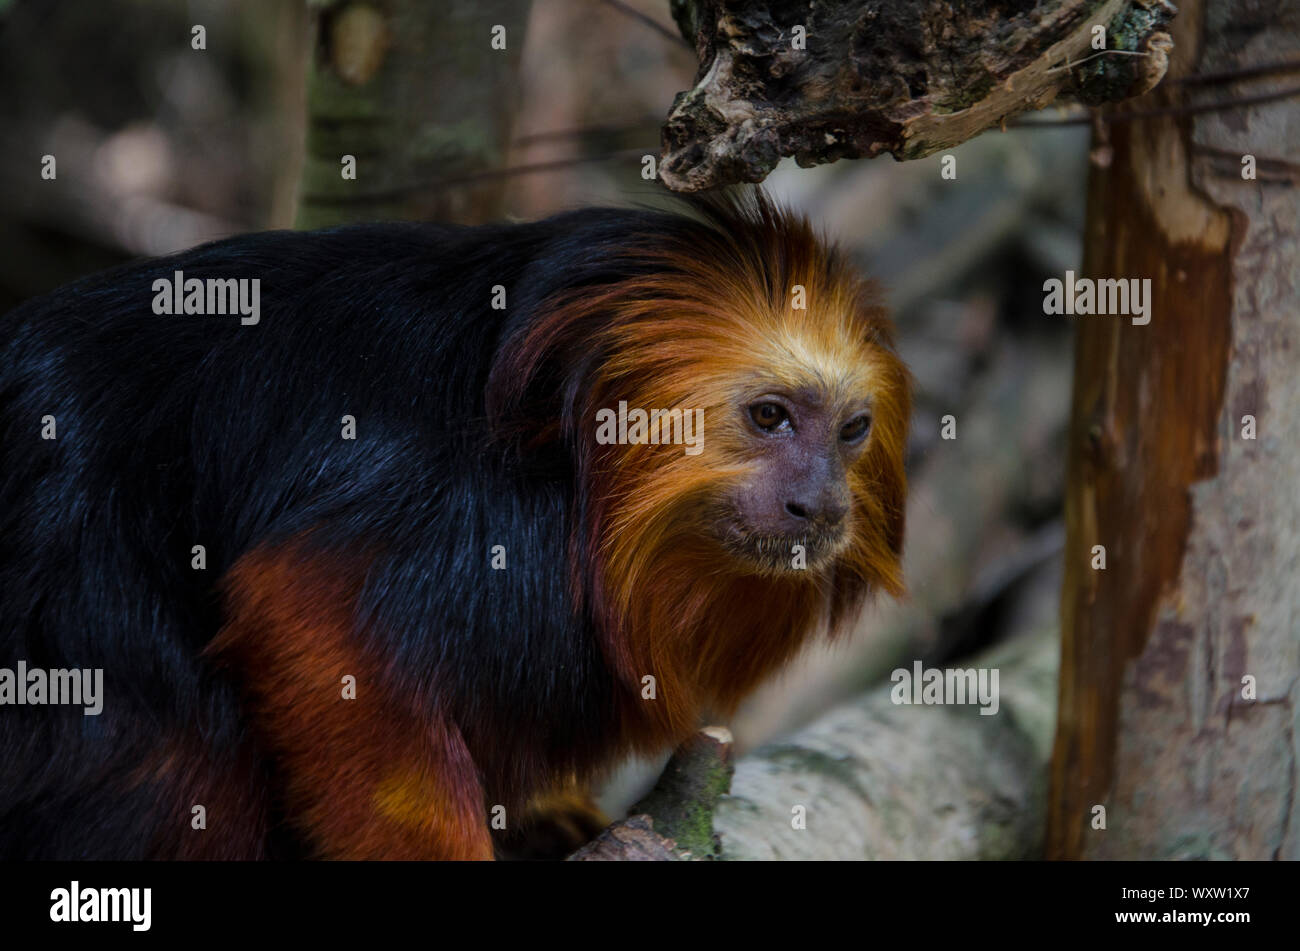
[{"x": 769, "y": 553}]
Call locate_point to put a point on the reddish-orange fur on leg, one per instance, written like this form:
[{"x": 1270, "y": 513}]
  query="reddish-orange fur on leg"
[{"x": 362, "y": 778}]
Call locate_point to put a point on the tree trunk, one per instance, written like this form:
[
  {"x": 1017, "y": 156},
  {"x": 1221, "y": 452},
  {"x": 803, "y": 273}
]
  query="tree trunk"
[
  {"x": 417, "y": 94},
  {"x": 1198, "y": 523}
]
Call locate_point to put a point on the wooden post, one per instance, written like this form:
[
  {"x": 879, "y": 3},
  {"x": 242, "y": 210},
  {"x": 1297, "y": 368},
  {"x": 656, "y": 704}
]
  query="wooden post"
[{"x": 1199, "y": 522}]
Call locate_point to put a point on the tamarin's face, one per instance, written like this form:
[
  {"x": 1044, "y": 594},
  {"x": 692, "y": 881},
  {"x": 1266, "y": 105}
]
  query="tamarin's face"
[
  {"x": 791, "y": 434},
  {"x": 801, "y": 443}
]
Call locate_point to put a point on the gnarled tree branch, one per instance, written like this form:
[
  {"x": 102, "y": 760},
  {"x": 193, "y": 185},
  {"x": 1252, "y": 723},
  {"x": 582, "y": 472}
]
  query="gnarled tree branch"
[{"x": 836, "y": 79}]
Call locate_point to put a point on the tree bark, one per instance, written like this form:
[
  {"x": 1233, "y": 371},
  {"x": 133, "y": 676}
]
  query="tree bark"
[
  {"x": 828, "y": 79},
  {"x": 417, "y": 94},
  {"x": 1199, "y": 524}
]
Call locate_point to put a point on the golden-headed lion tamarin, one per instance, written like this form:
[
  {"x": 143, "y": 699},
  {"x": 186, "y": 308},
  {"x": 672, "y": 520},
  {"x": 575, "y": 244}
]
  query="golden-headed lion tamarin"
[{"x": 405, "y": 547}]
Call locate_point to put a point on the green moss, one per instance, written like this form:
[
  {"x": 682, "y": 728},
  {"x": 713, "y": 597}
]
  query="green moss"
[{"x": 1110, "y": 78}]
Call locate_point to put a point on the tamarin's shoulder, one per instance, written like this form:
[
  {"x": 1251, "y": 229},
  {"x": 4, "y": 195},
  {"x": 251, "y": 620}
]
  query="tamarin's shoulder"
[
  {"x": 353, "y": 269},
  {"x": 569, "y": 240}
]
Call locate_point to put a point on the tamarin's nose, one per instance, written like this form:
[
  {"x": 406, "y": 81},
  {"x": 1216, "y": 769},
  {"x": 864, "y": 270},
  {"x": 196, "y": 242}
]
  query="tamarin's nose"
[{"x": 829, "y": 512}]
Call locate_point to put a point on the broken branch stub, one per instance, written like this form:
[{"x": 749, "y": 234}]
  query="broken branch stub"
[{"x": 834, "y": 79}]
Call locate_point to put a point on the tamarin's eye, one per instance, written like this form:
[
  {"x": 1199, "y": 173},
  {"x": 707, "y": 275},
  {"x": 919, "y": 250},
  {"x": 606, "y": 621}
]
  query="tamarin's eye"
[
  {"x": 771, "y": 417},
  {"x": 855, "y": 429}
]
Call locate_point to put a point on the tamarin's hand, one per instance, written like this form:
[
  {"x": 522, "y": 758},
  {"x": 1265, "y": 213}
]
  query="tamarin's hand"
[{"x": 381, "y": 535}]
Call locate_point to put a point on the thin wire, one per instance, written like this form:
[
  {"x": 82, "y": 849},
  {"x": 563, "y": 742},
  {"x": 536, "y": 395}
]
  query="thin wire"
[
  {"x": 491, "y": 173},
  {"x": 1187, "y": 110},
  {"x": 647, "y": 20},
  {"x": 579, "y": 131},
  {"x": 1231, "y": 75}
]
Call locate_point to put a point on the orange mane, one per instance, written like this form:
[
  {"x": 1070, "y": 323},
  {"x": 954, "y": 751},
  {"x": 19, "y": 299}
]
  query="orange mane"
[{"x": 703, "y": 315}]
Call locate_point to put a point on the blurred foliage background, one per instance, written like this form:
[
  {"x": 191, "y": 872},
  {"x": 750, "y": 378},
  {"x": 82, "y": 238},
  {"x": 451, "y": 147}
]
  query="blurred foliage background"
[{"x": 161, "y": 147}]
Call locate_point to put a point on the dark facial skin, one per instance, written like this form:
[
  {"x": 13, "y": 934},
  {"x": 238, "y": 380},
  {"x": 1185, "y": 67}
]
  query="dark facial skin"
[{"x": 799, "y": 494}]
